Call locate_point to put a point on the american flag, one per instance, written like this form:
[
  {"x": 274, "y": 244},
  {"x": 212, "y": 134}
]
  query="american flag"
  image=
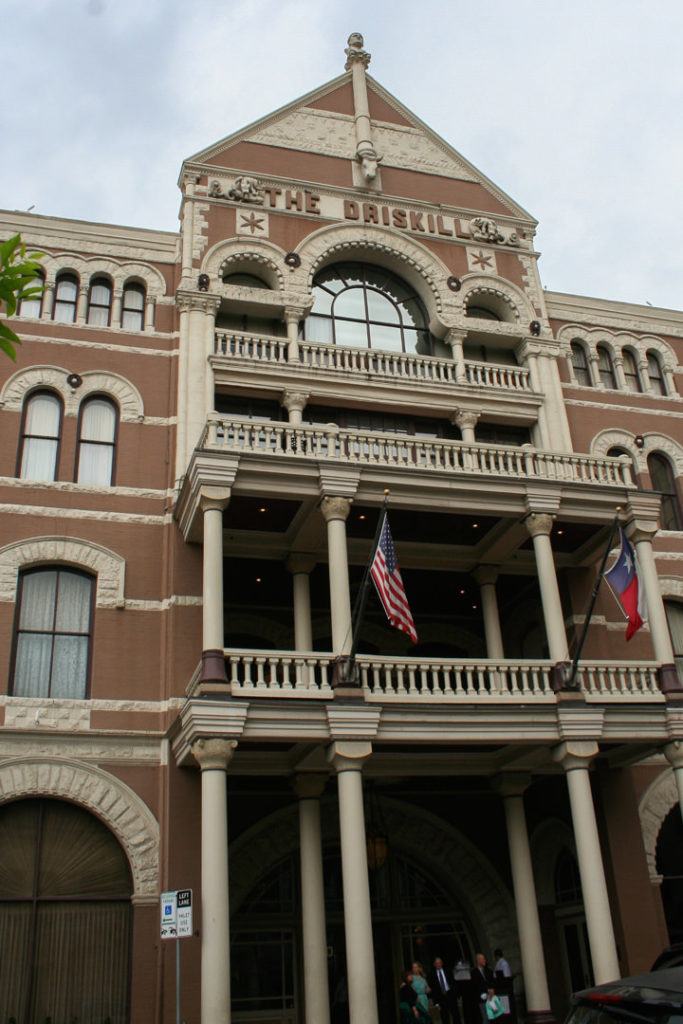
[{"x": 387, "y": 578}]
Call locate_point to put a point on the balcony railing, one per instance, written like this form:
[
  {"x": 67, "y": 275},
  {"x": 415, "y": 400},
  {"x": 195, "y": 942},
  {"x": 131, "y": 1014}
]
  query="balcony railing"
[
  {"x": 370, "y": 362},
  {"x": 433, "y": 680},
  {"x": 372, "y": 448}
]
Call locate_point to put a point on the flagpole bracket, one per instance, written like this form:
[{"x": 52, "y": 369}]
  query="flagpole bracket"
[
  {"x": 345, "y": 675},
  {"x": 563, "y": 678}
]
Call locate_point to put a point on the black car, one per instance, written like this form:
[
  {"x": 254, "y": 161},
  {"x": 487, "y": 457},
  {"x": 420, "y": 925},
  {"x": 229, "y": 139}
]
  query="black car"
[
  {"x": 654, "y": 998},
  {"x": 672, "y": 956}
]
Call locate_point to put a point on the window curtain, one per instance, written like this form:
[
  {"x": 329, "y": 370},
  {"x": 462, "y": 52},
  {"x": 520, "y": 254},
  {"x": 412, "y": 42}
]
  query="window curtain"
[
  {"x": 133, "y": 310},
  {"x": 41, "y": 438},
  {"x": 96, "y": 447}
]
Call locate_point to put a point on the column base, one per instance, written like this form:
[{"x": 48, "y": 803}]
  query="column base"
[
  {"x": 559, "y": 675},
  {"x": 668, "y": 680},
  {"x": 345, "y": 674},
  {"x": 539, "y": 1017},
  {"x": 213, "y": 667}
]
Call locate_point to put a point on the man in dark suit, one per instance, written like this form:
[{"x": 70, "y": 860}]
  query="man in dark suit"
[
  {"x": 483, "y": 983},
  {"x": 443, "y": 993}
]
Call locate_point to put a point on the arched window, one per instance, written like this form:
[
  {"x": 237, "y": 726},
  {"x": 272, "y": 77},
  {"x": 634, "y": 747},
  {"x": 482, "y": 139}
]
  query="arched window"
[
  {"x": 674, "y": 615},
  {"x": 133, "y": 307},
  {"x": 66, "y": 298},
  {"x": 32, "y": 306},
  {"x": 582, "y": 374},
  {"x": 662, "y": 478},
  {"x": 65, "y": 915},
  {"x": 567, "y": 879},
  {"x": 359, "y": 305},
  {"x": 97, "y": 428},
  {"x": 633, "y": 382},
  {"x": 654, "y": 372},
  {"x": 52, "y": 634},
  {"x": 99, "y": 302},
  {"x": 606, "y": 367},
  {"x": 481, "y": 313},
  {"x": 40, "y": 435},
  {"x": 245, "y": 280},
  {"x": 616, "y": 451}
]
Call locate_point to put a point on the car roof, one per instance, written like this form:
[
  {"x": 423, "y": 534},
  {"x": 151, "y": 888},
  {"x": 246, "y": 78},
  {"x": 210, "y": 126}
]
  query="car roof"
[{"x": 655, "y": 986}]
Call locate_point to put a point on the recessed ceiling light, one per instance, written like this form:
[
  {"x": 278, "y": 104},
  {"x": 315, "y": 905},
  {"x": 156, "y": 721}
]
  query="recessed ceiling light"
[
  {"x": 475, "y": 526},
  {"x": 262, "y": 510},
  {"x": 361, "y": 517},
  {"x": 258, "y": 579},
  {"x": 462, "y": 591}
]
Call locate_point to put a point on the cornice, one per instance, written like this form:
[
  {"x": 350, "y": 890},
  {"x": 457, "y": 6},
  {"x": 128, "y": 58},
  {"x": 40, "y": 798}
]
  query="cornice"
[
  {"x": 65, "y": 233},
  {"x": 614, "y": 314}
]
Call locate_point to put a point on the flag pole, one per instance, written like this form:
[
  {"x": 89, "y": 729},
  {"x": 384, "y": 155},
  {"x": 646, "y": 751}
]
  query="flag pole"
[
  {"x": 362, "y": 596},
  {"x": 571, "y": 680}
]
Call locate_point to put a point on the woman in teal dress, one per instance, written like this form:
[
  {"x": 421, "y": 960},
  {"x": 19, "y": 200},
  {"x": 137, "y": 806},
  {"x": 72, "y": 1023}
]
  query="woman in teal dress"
[{"x": 422, "y": 990}]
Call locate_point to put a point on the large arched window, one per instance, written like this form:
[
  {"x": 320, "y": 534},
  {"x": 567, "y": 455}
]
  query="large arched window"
[
  {"x": 662, "y": 478},
  {"x": 654, "y": 372},
  {"x": 606, "y": 367},
  {"x": 40, "y": 435},
  {"x": 674, "y": 616},
  {"x": 99, "y": 302},
  {"x": 582, "y": 373},
  {"x": 32, "y": 306},
  {"x": 364, "y": 306},
  {"x": 65, "y": 915},
  {"x": 52, "y": 633},
  {"x": 97, "y": 428},
  {"x": 633, "y": 382},
  {"x": 133, "y": 307},
  {"x": 66, "y": 298}
]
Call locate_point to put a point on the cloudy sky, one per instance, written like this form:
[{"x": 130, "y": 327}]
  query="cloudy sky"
[{"x": 573, "y": 108}]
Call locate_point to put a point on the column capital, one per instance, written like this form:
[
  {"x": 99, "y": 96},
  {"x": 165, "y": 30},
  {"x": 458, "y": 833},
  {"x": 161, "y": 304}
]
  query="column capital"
[
  {"x": 486, "y": 574},
  {"x": 539, "y": 524},
  {"x": 511, "y": 783},
  {"x": 355, "y": 54},
  {"x": 293, "y": 314},
  {"x": 465, "y": 419},
  {"x": 300, "y": 562},
  {"x": 213, "y": 754},
  {"x": 639, "y": 529},
  {"x": 349, "y": 755},
  {"x": 335, "y": 508},
  {"x": 309, "y": 785},
  {"x": 214, "y": 498},
  {"x": 295, "y": 400},
  {"x": 575, "y": 754},
  {"x": 188, "y": 301}
]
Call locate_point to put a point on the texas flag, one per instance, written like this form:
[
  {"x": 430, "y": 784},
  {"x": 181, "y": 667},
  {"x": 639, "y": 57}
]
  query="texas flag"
[{"x": 627, "y": 585}]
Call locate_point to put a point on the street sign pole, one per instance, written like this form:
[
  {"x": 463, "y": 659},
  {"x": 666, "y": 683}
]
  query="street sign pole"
[
  {"x": 177, "y": 980},
  {"x": 176, "y": 923}
]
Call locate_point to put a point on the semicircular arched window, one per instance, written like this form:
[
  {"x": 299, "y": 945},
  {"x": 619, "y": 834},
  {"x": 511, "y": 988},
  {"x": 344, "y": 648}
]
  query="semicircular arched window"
[
  {"x": 363, "y": 306},
  {"x": 662, "y": 477}
]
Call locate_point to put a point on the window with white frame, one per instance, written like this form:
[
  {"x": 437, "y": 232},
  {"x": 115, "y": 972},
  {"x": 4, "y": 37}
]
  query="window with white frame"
[
  {"x": 66, "y": 298},
  {"x": 52, "y": 633},
  {"x": 40, "y": 436},
  {"x": 606, "y": 367},
  {"x": 97, "y": 429},
  {"x": 133, "y": 307},
  {"x": 33, "y": 305},
  {"x": 654, "y": 372},
  {"x": 663, "y": 480},
  {"x": 582, "y": 373},
  {"x": 631, "y": 372},
  {"x": 99, "y": 302}
]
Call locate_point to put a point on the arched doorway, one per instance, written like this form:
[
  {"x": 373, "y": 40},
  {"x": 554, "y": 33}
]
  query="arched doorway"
[
  {"x": 65, "y": 915},
  {"x": 669, "y": 863},
  {"x": 414, "y": 918}
]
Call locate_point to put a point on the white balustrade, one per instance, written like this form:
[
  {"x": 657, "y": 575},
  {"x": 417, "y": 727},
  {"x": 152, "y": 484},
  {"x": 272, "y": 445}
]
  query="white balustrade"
[
  {"x": 373, "y": 448},
  {"x": 254, "y": 673}
]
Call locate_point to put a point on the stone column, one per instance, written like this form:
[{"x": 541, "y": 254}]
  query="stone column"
[
  {"x": 48, "y": 301},
  {"x": 618, "y": 361},
  {"x": 335, "y": 512},
  {"x": 309, "y": 788},
  {"x": 347, "y": 758},
  {"x": 539, "y": 526},
  {"x": 210, "y": 305},
  {"x": 640, "y": 533},
  {"x": 669, "y": 374},
  {"x": 292, "y": 319},
  {"x": 644, "y": 374},
  {"x": 116, "y": 309},
  {"x": 187, "y": 238},
  {"x": 213, "y": 757},
  {"x": 511, "y": 787},
  {"x": 301, "y": 566},
  {"x": 455, "y": 340},
  {"x": 295, "y": 403},
  {"x": 466, "y": 421},
  {"x": 575, "y": 757},
  {"x": 358, "y": 61},
  {"x": 149, "y": 313},
  {"x": 212, "y": 502},
  {"x": 82, "y": 304},
  {"x": 486, "y": 576}
]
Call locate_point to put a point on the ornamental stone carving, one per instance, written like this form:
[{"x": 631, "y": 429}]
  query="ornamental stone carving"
[
  {"x": 655, "y": 804},
  {"x": 355, "y": 52},
  {"x": 83, "y": 554},
  {"x": 335, "y": 508},
  {"x": 483, "y": 229},
  {"x": 105, "y": 796}
]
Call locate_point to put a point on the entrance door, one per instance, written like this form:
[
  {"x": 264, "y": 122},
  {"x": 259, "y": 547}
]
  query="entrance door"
[{"x": 577, "y": 953}]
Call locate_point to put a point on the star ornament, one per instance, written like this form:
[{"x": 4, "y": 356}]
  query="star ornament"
[
  {"x": 480, "y": 259},
  {"x": 252, "y": 222}
]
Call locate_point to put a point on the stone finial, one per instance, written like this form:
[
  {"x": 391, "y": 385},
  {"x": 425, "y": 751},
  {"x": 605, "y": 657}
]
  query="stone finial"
[{"x": 355, "y": 52}]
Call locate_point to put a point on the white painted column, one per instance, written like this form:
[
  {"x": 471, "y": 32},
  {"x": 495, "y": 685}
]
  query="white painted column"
[
  {"x": 212, "y": 502},
  {"x": 455, "y": 340},
  {"x": 210, "y": 305},
  {"x": 640, "y": 533},
  {"x": 347, "y": 758},
  {"x": 213, "y": 757},
  {"x": 466, "y": 421},
  {"x": 511, "y": 787},
  {"x": 301, "y": 566},
  {"x": 539, "y": 526},
  {"x": 486, "y": 576},
  {"x": 295, "y": 403},
  {"x": 335, "y": 512},
  {"x": 575, "y": 757},
  {"x": 309, "y": 788},
  {"x": 292, "y": 320}
]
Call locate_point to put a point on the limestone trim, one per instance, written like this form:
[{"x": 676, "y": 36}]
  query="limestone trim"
[
  {"x": 119, "y": 273},
  {"x": 432, "y": 844},
  {"x": 655, "y": 804},
  {"x": 256, "y": 256},
  {"x": 105, "y": 796},
  {"x": 508, "y": 301},
  {"x": 670, "y": 586},
  {"x": 109, "y": 567},
  {"x": 615, "y": 342},
  {"x": 654, "y": 442},
  {"x": 126, "y": 395}
]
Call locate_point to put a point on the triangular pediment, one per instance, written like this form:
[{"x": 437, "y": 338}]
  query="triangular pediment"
[{"x": 321, "y": 123}]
